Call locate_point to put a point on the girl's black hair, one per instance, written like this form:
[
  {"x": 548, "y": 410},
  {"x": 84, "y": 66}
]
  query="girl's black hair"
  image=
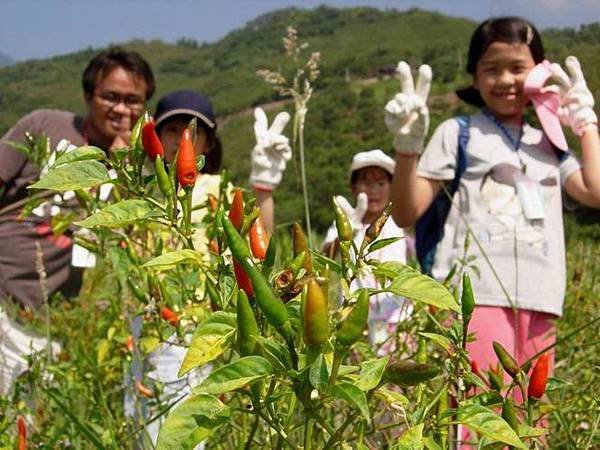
[
  {"x": 512, "y": 30},
  {"x": 356, "y": 173},
  {"x": 214, "y": 156}
]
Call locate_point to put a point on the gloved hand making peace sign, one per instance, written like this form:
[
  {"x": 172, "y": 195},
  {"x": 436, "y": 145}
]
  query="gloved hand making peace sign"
[
  {"x": 576, "y": 100},
  {"x": 271, "y": 153},
  {"x": 407, "y": 115}
]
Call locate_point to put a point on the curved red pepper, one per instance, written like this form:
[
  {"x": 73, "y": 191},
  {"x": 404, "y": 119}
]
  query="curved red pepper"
[
  {"x": 186, "y": 160},
  {"x": 152, "y": 145},
  {"x": 538, "y": 378},
  {"x": 259, "y": 239},
  {"x": 236, "y": 212}
]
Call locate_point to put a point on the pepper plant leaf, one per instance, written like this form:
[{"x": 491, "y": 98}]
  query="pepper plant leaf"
[
  {"x": 235, "y": 375},
  {"x": 119, "y": 214},
  {"x": 74, "y": 176}
]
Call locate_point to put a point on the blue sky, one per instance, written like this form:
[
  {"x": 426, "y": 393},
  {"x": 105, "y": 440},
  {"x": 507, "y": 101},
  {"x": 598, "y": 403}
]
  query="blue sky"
[{"x": 43, "y": 28}]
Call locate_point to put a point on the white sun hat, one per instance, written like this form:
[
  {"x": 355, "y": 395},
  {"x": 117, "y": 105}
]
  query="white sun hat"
[{"x": 373, "y": 158}]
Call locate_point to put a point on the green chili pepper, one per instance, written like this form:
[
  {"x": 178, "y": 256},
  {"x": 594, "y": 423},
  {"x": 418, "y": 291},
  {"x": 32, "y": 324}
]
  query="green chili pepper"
[
  {"x": 137, "y": 290},
  {"x": 467, "y": 300},
  {"x": 315, "y": 316},
  {"x": 134, "y": 137},
  {"x": 159, "y": 246},
  {"x": 496, "y": 381},
  {"x": 297, "y": 263},
  {"x": 301, "y": 245},
  {"x": 509, "y": 415},
  {"x": 352, "y": 327},
  {"x": 162, "y": 178},
  {"x": 269, "y": 261},
  {"x": 421, "y": 355},
  {"x": 272, "y": 307},
  {"x": 344, "y": 228},
  {"x": 409, "y": 373},
  {"x": 508, "y": 362},
  {"x": 247, "y": 328},
  {"x": 215, "y": 298}
]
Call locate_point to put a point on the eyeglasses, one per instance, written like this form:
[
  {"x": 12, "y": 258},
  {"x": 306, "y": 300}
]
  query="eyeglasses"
[
  {"x": 373, "y": 186},
  {"x": 111, "y": 99}
]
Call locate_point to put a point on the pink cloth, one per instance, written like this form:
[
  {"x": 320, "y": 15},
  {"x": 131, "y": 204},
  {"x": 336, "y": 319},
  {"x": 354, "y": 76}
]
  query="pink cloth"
[{"x": 522, "y": 332}]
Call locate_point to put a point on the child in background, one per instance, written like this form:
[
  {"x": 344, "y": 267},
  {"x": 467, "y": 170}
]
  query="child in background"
[
  {"x": 504, "y": 154},
  {"x": 268, "y": 160},
  {"x": 371, "y": 181}
]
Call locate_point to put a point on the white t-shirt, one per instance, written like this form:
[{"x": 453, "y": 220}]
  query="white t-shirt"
[
  {"x": 385, "y": 308},
  {"x": 527, "y": 255}
]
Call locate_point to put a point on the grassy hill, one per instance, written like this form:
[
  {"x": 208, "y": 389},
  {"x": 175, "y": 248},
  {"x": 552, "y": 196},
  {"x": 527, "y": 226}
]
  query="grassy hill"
[{"x": 345, "y": 114}]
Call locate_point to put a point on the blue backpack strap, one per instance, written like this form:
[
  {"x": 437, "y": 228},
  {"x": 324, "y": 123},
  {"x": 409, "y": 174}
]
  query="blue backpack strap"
[{"x": 429, "y": 229}]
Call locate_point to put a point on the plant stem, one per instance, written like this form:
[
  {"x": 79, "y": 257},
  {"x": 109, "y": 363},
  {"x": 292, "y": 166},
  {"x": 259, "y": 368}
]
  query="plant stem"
[
  {"x": 337, "y": 360},
  {"x": 308, "y": 431},
  {"x": 301, "y": 115}
]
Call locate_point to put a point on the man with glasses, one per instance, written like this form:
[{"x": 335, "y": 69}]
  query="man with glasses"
[{"x": 116, "y": 86}]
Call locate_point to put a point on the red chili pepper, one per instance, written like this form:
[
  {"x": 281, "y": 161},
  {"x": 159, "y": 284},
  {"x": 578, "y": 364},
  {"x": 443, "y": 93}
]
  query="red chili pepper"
[
  {"x": 243, "y": 280},
  {"x": 236, "y": 212},
  {"x": 259, "y": 239},
  {"x": 152, "y": 145},
  {"x": 22, "y": 429},
  {"x": 186, "y": 160},
  {"x": 475, "y": 368},
  {"x": 538, "y": 378},
  {"x": 129, "y": 344},
  {"x": 169, "y": 316}
]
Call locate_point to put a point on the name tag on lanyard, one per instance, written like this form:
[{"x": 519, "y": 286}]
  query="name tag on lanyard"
[{"x": 530, "y": 196}]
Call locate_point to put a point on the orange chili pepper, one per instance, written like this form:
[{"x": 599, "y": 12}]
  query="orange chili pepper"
[
  {"x": 213, "y": 246},
  {"x": 22, "y": 430},
  {"x": 186, "y": 160},
  {"x": 259, "y": 239},
  {"x": 143, "y": 390},
  {"x": 129, "y": 344},
  {"x": 213, "y": 203},
  {"x": 169, "y": 316},
  {"x": 236, "y": 212}
]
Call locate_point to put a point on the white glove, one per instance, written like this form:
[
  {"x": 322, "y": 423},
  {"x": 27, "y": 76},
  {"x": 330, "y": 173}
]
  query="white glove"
[
  {"x": 271, "y": 152},
  {"x": 355, "y": 215},
  {"x": 406, "y": 115},
  {"x": 576, "y": 101}
]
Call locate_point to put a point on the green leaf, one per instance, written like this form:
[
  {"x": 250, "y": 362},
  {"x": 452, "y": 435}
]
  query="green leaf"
[
  {"x": 353, "y": 395},
  {"x": 168, "y": 261},
  {"x": 323, "y": 261},
  {"x": 235, "y": 375},
  {"x": 80, "y": 154},
  {"x": 490, "y": 398},
  {"x": 371, "y": 372},
  {"x": 277, "y": 353},
  {"x": 410, "y": 283},
  {"x": 488, "y": 424},
  {"x": 380, "y": 243},
  {"x": 439, "y": 339},
  {"x": 74, "y": 176},
  {"x": 191, "y": 422},
  {"x": 556, "y": 384},
  {"x": 318, "y": 373},
  {"x": 119, "y": 214},
  {"x": 411, "y": 439},
  {"x": 211, "y": 338},
  {"x": 430, "y": 443}
]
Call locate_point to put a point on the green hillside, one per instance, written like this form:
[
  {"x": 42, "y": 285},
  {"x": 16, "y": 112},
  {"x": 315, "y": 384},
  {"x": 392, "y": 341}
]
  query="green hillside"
[{"x": 345, "y": 114}]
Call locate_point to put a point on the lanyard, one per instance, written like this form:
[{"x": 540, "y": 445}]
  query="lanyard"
[{"x": 516, "y": 143}]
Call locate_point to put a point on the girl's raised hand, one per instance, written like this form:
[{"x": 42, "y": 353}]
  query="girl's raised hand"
[
  {"x": 407, "y": 115},
  {"x": 576, "y": 100},
  {"x": 271, "y": 153}
]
